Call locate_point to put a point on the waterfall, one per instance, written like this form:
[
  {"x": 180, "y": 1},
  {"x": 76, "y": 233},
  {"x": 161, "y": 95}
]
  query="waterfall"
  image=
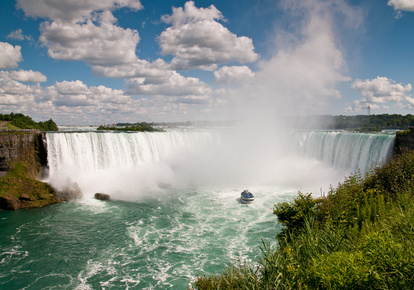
[
  {"x": 91, "y": 151},
  {"x": 124, "y": 164},
  {"x": 130, "y": 164},
  {"x": 354, "y": 151}
]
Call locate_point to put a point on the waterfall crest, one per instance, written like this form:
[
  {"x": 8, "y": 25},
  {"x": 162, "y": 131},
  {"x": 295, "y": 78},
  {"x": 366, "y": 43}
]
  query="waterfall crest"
[
  {"x": 134, "y": 163},
  {"x": 102, "y": 150},
  {"x": 353, "y": 151}
]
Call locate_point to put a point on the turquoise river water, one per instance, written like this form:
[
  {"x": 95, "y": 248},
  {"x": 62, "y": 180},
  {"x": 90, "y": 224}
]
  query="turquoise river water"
[{"x": 174, "y": 211}]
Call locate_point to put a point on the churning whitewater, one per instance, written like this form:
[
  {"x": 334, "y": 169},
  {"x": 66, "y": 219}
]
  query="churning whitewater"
[{"x": 174, "y": 210}]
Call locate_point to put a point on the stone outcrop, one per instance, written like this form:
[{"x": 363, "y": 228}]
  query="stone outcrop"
[
  {"x": 102, "y": 196},
  {"x": 9, "y": 202}
]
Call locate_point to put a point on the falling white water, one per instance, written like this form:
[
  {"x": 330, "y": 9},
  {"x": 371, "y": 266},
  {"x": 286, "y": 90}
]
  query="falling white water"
[
  {"x": 123, "y": 164},
  {"x": 131, "y": 165},
  {"x": 353, "y": 151}
]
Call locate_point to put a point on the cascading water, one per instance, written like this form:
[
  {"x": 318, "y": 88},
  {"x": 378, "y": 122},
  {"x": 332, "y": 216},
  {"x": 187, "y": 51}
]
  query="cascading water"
[
  {"x": 352, "y": 151},
  {"x": 174, "y": 211},
  {"x": 122, "y": 163},
  {"x": 133, "y": 163}
]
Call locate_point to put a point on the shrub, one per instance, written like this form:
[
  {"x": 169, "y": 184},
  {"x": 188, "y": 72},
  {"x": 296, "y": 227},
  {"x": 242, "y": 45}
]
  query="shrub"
[{"x": 292, "y": 214}]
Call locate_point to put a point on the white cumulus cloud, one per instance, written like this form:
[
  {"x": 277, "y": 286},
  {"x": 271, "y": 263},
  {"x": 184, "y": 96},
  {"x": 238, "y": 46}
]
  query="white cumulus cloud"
[
  {"x": 68, "y": 10},
  {"x": 233, "y": 75},
  {"x": 9, "y": 86},
  {"x": 381, "y": 90},
  {"x": 28, "y": 76},
  {"x": 183, "y": 89},
  {"x": 139, "y": 68},
  {"x": 104, "y": 44},
  {"x": 406, "y": 5},
  {"x": 84, "y": 30},
  {"x": 71, "y": 87},
  {"x": 10, "y": 55},
  {"x": 197, "y": 40}
]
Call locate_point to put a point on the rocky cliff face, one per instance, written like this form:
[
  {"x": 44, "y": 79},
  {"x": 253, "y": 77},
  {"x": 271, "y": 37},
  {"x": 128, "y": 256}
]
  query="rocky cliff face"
[{"x": 21, "y": 146}]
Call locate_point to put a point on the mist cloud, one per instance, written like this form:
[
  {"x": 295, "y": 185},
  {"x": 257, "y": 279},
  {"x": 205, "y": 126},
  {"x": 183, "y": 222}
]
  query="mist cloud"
[{"x": 307, "y": 64}]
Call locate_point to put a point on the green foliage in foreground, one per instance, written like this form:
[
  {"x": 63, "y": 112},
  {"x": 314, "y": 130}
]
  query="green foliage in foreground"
[
  {"x": 139, "y": 127},
  {"x": 25, "y": 122},
  {"x": 361, "y": 236}
]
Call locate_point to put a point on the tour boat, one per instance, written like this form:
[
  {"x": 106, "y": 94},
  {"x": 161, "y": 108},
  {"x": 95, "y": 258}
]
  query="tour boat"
[{"x": 247, "y": 197}]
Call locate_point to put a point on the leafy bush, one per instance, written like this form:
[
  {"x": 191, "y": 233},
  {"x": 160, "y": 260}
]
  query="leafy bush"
[{"x": 292, "y": 215}]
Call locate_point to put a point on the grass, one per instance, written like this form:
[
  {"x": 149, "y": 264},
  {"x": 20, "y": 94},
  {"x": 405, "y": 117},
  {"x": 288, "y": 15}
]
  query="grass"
[
  {"x": 18, "y": 181},
  {"x": 9, "y": 126},
  {"x": 361, "y": 236}
]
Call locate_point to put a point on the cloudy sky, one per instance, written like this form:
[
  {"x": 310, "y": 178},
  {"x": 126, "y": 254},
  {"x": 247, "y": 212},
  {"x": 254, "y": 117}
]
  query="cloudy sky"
[{"x": 103, "y": 61}]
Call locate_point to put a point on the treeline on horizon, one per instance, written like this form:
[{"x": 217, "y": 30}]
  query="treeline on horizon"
[
  {"x": 361, "y": 123},
  {"x": 203, "y": 123},
  {"x": 135, "y": 127},
  {"x": 357, "y": 123},
  {"x": 25, "y": 122}
]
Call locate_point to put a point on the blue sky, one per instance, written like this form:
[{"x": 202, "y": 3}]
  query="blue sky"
[{"x": 104, "y": 61}]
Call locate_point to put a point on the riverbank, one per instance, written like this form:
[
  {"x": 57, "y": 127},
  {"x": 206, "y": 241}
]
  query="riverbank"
[{"x": 359, "y": 236}]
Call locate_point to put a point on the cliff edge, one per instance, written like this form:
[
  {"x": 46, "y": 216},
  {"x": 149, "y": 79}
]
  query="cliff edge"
[{"x": 22, "y": 157}]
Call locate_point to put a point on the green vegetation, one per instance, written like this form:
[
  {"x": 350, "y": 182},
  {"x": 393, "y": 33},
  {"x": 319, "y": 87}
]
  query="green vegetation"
[
  {"x": 20, "y": 121},
  {"x": 365, "y": 129},
  {"x": 200, "y": 124},
  {"x": 9, "y": 126},
  {"x": 403, "y": 133},
  {"x": 19, "y": 189},
  {"x": 361, "y": 236},
  {"x": 137, "y": 127},
  {"x": 362, "y": 123}
]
